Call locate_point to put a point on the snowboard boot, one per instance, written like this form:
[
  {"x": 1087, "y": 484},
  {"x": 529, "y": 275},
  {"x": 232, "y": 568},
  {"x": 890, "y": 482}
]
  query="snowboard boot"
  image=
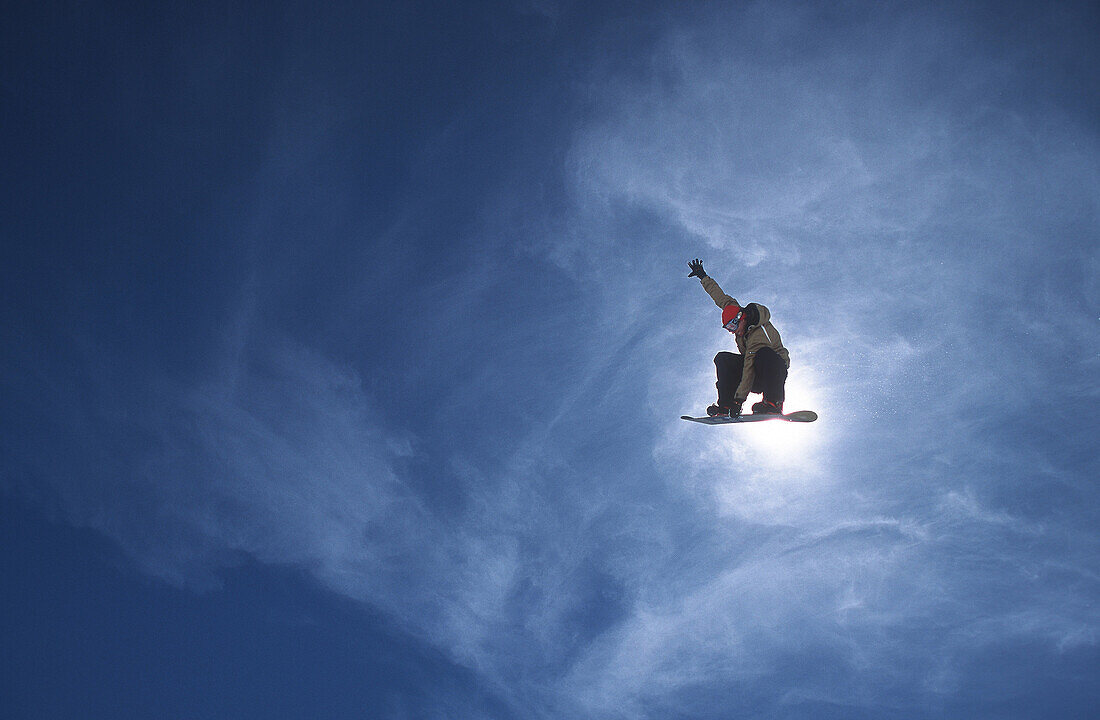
[
  {"x": 767, "y": 407},
  {"x": 718, "y": 411}
]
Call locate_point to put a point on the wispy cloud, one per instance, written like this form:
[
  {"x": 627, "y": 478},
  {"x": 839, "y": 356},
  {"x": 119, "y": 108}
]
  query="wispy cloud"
[{"x": 527, "y": 500}]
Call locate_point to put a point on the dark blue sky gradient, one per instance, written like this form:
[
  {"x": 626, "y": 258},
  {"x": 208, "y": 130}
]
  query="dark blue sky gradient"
[
  {"x": 87, "y": 637},
  {"x": 342, "y": 350}
]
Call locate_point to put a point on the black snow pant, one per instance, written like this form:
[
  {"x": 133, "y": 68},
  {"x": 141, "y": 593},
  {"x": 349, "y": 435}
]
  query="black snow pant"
[{"x": 769, "y": 377}]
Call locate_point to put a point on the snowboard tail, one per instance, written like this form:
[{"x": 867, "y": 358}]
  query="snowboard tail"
[{"x": 796, "y": 416}]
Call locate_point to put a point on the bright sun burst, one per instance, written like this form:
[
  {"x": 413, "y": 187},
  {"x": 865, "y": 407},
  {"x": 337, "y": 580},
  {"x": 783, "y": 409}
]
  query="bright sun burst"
[{"x": 786, "y": 444}]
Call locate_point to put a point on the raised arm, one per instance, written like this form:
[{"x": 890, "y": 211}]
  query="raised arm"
[{"x": 720, "y": 298}]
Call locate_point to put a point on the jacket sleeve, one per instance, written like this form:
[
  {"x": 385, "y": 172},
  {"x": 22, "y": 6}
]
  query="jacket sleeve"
[
  {"x": 720, "y": 298},
  {"x": 762, "y": 336}
]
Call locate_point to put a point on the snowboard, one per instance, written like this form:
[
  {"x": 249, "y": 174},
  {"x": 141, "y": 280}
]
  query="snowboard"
[{"x": 796, "y": 416}]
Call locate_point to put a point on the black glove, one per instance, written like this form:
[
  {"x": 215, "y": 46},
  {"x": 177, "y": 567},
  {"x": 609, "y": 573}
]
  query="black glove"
[
  {"x": 696, "y": 266},
  {"x": 735, "y": 409}
]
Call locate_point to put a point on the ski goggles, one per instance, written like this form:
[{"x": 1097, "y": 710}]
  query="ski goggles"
[{"x": 732, "y": 324}]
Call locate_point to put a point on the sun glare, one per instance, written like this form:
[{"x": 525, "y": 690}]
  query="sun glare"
[
  {"x": 783, "y": 443},
  {"x": 786, "y": 444}
]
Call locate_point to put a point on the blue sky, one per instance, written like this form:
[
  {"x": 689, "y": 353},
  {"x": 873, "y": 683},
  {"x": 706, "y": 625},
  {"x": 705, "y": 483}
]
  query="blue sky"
[{"x": 343, "y": 351}]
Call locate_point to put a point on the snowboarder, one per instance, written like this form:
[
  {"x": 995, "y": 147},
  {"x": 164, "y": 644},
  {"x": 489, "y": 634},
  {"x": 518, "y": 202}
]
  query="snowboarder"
[{"x": 762, "y": 365}]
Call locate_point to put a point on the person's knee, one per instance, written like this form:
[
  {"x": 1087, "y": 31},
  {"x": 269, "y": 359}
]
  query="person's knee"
[
  {"x": 768, "y": 359},
  {"x": 724, "y": 358}
]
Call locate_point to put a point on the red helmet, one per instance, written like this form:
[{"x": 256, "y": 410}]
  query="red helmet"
[{"x": 730, "y": 312}]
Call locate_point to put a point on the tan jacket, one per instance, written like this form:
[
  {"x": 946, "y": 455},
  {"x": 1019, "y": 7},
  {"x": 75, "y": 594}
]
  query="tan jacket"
[{"x": 763, "y": 334}]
